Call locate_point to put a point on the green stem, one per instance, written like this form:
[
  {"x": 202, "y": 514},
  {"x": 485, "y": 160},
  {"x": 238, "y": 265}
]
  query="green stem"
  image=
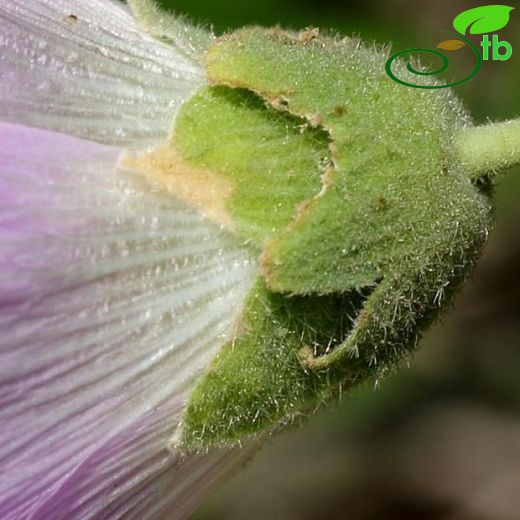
[{"x": 489, "y": 148}]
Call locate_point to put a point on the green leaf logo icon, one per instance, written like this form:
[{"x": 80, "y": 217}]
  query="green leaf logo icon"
[{"x": 481, "y": 20}]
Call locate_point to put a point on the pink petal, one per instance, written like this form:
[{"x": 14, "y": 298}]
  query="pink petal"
[{"x": 113, "y": 298}]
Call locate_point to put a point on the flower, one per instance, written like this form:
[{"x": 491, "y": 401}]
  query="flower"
[{"x": 113, "y": 295}]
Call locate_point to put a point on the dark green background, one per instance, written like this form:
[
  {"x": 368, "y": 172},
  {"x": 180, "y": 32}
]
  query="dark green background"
[{"x": 440, "y": 440}]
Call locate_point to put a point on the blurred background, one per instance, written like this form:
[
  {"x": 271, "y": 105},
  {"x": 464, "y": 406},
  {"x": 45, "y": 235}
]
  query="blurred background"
[{"x": 441, "y": 439}]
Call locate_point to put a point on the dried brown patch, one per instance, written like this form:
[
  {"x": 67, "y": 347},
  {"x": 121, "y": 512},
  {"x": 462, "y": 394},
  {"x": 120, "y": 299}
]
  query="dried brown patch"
[
  {"x": 314, "y": 120},
  {"x": 340, "y": 110},
  {"x": 204, "y": 190},
  {"x": 381, "y": 203},
  {"x": 308, "y": 35}
]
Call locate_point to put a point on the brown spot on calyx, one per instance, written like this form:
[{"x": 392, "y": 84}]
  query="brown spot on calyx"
[
  {"x": 340, "y": 110},
  {"x": 381, "y": 203},
  {"x": 204, "y": 190},
  {"x": 278, "y": 101},
  {"x": 308, "y": 35},
  {"x": 277, "y": 33}
]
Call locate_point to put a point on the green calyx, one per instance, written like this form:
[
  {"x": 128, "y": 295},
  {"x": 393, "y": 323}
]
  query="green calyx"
[
  {"x": 273, "y": 161},
  {"x": 349, "y": 188}
]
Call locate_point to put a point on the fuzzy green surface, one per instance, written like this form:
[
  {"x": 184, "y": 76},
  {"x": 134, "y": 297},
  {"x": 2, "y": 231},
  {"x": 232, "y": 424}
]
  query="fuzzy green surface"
[
  {"x": 489, "y": 148},
  {"x": 351, "y": 279},
  {"x": 260, "y": 380},
  {"x": 392, "y": 144},
  {"x": 274, "y": 160}
]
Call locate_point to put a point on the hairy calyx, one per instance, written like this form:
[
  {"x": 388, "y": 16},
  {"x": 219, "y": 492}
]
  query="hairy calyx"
[{"x": 349, "y": 189}]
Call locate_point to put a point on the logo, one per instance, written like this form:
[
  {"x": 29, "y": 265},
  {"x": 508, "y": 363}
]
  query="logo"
[{"x": 478, "y": 21}]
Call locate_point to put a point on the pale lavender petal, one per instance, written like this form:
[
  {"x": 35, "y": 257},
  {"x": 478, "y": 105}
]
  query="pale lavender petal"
[
  {"x": 132, "y": 475},
  {"x": 113, "y": 298},
  {"x": 87, "y": 69}
]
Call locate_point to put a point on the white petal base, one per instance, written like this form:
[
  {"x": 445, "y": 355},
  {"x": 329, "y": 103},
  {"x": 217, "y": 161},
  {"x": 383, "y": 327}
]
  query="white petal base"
[{"x": 87, "y": 69}]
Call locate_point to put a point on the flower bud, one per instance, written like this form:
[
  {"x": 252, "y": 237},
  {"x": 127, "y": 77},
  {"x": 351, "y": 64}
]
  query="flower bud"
[{"x": 347, "y": 187}]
